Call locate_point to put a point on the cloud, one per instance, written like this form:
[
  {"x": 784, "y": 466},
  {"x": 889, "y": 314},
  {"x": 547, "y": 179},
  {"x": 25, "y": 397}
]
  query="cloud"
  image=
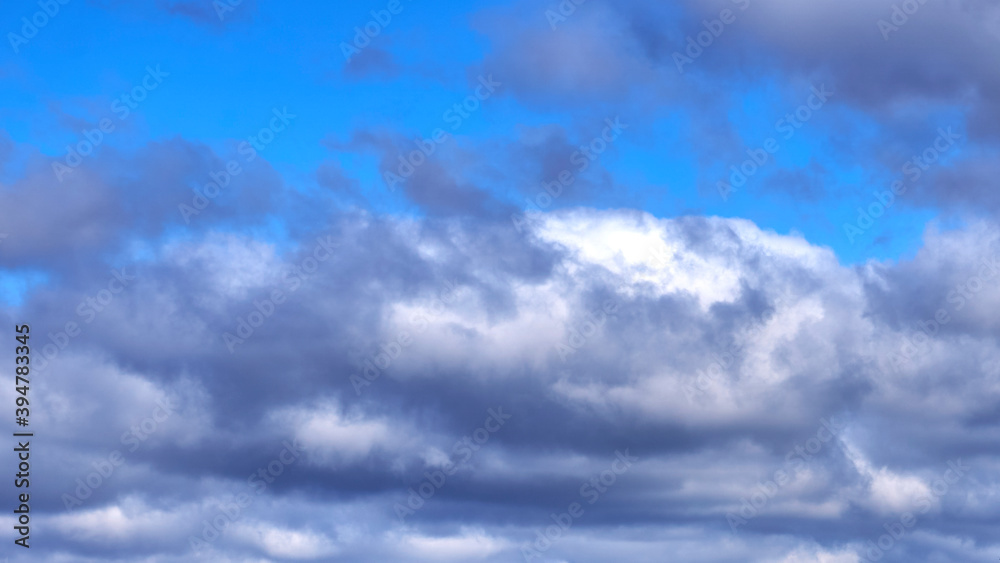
[
  {"x": 802, "y": 338},
  {"x": 373, "y": 320},
  {"x": 372, "y": 61}
]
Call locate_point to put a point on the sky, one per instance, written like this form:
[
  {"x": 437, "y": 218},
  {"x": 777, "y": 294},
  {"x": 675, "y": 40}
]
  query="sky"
[{"x": 498, "y": 281}]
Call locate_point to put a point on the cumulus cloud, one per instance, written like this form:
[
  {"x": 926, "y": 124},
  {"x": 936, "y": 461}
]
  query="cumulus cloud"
[{"x": 801, "y": 338}]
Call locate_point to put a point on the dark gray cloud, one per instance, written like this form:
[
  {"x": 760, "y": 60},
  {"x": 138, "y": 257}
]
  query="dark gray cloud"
[{"x": 112, "y": 198}]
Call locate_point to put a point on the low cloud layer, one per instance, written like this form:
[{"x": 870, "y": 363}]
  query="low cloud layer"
[{"x": 712, "y": 354}]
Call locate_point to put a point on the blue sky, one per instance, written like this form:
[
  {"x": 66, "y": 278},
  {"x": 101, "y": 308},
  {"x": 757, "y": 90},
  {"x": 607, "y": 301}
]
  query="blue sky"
[{"x": 226, "y": 76}]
